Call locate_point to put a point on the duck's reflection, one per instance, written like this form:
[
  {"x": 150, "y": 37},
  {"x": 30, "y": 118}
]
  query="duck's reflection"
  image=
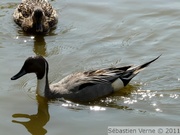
[
  {"x": 39, "y": 45},
  {"x": 36, "y": 122}
]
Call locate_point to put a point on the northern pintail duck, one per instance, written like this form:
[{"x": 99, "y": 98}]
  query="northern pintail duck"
[
  {"x": 35, "y": 16},
  {"x": 82, "y": 86}
]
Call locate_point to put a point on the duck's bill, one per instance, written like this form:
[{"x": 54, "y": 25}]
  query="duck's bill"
[
  {"x": 18, "y": 75},
  {"x": 39, "y": 28}
]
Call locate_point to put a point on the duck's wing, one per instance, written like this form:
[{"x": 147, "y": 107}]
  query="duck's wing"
[
  {"x": 23, "y": 11},
  {"x": 50, "y": 13},
  {"x": 78, "y": 81}
]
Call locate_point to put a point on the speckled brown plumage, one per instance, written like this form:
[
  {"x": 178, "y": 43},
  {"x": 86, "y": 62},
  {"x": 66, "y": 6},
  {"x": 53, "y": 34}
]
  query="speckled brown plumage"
[{"x": 23, "y": 15}]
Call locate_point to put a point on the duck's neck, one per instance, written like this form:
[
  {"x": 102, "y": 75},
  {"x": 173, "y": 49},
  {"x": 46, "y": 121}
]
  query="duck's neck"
[{"x": 43, "y": 84}]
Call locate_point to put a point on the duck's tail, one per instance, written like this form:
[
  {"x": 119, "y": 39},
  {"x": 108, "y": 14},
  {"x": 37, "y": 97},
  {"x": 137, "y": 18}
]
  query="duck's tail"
[{"x": 132, "y": 72}]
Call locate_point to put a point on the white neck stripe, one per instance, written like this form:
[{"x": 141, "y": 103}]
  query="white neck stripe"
[{"x": 41, "y": 84}]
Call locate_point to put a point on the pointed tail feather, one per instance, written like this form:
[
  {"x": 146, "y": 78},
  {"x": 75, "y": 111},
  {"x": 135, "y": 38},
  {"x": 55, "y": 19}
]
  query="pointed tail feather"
[
  {"x": 132, "y": 72},
  {"x": 141, "y": 67}
]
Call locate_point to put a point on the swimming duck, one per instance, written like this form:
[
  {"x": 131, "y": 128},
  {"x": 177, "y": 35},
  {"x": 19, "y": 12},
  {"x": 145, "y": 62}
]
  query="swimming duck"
[
  {"x": 35, "y": 16},
  {"x": 81, "y": 86}
]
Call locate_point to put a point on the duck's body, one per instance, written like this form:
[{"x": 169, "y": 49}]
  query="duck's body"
[
  {"x": 81, "y": 86},
  {"x": 35, "y": 16}
]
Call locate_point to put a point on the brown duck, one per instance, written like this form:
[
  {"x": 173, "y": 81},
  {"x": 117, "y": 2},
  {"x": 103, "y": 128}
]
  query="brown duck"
[{"x": 35, "y": 16}]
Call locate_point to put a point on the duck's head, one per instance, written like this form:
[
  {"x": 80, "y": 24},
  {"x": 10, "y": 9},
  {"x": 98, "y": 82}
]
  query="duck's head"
[
  {"x": 38, "y": 19},
  {"x": 37, "y": 65}
]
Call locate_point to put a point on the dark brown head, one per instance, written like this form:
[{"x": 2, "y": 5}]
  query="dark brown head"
[
  {"x": 37, "y": 65},
  {"x": 38, "y": 19}
]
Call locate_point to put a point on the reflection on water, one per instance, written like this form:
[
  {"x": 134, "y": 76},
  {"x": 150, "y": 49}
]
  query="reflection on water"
[
  {"x": 115, "y": 100},
  {"x": 39, "y": 45},
  {"x": 36, "y": 122},
  {"x": 100, "y": 105},
  {"x": 39, "y": 41},
  {"x": 132, "y": 97},
  {"x": 8, "y": 5}
]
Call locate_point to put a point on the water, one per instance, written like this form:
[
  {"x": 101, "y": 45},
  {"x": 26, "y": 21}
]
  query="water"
[{"x": 94, "y": 35}]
